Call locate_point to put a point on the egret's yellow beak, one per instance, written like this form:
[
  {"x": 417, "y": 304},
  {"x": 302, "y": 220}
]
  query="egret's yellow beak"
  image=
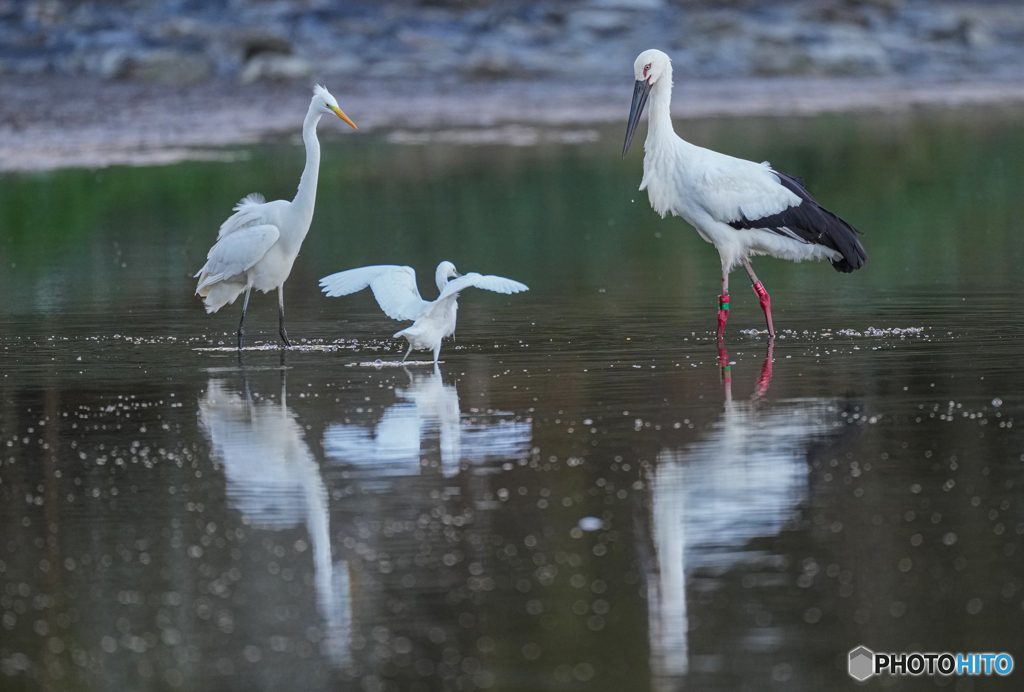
[{"x": 338, "y": 112}]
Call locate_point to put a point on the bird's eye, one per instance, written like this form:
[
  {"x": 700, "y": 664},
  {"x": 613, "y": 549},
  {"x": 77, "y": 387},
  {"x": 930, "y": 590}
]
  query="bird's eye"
[{"x": 647, "y": 67}]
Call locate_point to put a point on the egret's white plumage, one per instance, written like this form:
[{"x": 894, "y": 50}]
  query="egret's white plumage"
[
  {"x": 743, "y": 208},
  {"x": 258, "y": 244},
  {"x": 395, "y": 289}
]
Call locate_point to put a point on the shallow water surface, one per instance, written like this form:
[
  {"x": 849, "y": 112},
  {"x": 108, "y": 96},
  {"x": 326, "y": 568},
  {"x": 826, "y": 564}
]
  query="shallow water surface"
[{"x": 587, "y": 493}]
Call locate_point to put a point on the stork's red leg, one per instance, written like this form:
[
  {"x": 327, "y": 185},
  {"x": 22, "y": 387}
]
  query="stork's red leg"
[
  {"x": 723, "y": 305},
  {"x": 762, "y": 295}
]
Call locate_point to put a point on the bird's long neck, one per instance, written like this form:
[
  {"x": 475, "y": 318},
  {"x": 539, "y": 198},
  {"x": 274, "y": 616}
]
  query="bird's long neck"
[
  {"x": 441, "y": 279},
  {"x": 659, "y": 123},
  {"x": 305, "y": 198}
]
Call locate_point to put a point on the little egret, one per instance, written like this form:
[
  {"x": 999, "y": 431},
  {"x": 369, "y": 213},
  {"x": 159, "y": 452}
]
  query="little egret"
[
  {"x": 394, "y": 287},
  {"x": 742, "y": 208},
  {"x": 258, "y": 244}
]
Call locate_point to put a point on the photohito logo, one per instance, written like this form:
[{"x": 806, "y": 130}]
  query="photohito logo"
[{"x": 863, "y": 663}]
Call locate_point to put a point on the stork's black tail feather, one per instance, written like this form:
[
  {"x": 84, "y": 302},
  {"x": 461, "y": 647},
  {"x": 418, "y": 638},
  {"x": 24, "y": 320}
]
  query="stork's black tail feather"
[
  {"x": 809, "y": 222},
  {"x": 826, "y": 228}
]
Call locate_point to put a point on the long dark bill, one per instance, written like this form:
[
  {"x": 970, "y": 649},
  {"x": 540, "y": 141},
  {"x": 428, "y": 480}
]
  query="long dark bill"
[{"x": 640, "y": 93}]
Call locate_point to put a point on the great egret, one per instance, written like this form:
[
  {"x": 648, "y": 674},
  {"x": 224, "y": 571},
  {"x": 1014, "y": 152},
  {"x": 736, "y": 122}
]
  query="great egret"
[
  {"x": 394, "y": 287},
  {"x": 743, "y": 208},
  {"x": 258, "y": 244}
]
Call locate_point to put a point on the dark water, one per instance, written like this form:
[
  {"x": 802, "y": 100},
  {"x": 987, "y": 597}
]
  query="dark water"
[{"x": 582, "y": 496}]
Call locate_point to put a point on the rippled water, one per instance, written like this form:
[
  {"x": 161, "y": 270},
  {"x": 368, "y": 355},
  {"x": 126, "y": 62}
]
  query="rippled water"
[{"x": 586, "y": 494}]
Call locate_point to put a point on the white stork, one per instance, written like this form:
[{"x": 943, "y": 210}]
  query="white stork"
[{"x": 741, "y": 207}]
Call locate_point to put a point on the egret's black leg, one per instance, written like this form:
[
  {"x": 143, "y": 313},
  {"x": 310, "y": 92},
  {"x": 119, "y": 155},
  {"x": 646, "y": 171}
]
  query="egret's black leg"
[
  {"x": 241, "y": 322},
  {"x": 766, "y": 301},
  {"x": 280, "y": 312}
]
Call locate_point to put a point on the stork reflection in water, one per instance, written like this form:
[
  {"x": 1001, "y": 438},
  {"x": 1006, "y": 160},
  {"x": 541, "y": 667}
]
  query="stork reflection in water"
[
  {"x": 273, "y": 479},
  {"x": 744, "y": 479}
]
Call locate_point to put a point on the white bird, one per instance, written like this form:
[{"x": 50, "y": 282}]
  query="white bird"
[
  {"x": 258, "y": 244},
  {"x": 743, "y": 208},
  {"x": 394, "y": 287}
]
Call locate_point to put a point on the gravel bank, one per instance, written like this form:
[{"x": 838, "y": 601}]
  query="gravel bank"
[{"x": 61, "y": 122}]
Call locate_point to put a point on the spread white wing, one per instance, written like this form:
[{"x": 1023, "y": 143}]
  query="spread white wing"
[
  {"x": 236, "y": 252},
  {"x": 488, "y": 282},
  {"x": 393, "y": 286}
]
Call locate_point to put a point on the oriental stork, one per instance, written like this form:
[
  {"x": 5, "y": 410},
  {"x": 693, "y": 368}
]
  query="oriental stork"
[{"x": 741, "y": 207}]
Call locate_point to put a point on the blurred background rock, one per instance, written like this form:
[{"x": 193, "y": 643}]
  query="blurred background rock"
[{"x": 194, "y": 41}]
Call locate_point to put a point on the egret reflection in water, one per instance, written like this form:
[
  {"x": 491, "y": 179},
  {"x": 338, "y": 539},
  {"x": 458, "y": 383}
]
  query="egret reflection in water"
[
  {"x": 426, "y": 410},
  {"x": 273, "y": 479},
  {"x": 743, "y": 480}
]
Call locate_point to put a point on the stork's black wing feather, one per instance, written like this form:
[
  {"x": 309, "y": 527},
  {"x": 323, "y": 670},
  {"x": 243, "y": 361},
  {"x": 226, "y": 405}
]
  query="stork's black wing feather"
[{"x": 809, "y": 222}]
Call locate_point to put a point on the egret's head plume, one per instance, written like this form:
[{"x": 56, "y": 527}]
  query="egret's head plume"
[
  {"x": 652, "y": 65},
  {"x": 326, "y": 103}
]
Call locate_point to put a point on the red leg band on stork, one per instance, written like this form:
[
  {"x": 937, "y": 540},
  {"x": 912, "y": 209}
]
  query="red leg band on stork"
[
  {"x": 723, "y": 314},
  {"x": 766, "y": 305}
]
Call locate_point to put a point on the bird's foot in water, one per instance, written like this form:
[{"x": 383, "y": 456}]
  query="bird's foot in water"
[{"x": 284, "y": 338}]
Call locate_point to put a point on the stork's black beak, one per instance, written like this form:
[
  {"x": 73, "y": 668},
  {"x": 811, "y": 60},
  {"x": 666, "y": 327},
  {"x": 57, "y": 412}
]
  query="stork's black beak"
[{"x": 640, "y": 93}]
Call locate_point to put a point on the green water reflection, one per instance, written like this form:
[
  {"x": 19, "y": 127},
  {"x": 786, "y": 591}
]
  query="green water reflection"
[{"x": 581, "y": 497}]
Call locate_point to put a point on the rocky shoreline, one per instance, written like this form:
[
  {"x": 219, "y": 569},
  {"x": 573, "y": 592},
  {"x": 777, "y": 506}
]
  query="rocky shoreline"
[
  {"x": 60, "y": 122},
  {"x": 119, "y": 82},
  {"x": 187, "y": 42}
]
